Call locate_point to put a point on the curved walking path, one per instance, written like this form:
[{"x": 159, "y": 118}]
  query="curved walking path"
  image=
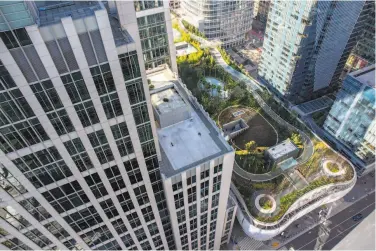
[{"x": 253, "y": 87}]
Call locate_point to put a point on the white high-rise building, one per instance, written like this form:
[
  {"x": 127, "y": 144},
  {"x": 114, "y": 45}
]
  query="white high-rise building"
[
  {"x": 226, "y": 21},
  {"x": 81, "y": 164}
]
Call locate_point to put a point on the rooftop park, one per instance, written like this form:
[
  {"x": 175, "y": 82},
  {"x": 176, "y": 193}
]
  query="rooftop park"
[{"x": 261, "y": 132}]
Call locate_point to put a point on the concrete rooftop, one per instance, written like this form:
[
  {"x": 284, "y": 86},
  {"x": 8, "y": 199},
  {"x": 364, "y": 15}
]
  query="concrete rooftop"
[
  {"x": 187, "y": 142},
  {"x": 190, "y": 142},
  {"x": 281, "y": 149},
  {"x": 167, "y": 100}
]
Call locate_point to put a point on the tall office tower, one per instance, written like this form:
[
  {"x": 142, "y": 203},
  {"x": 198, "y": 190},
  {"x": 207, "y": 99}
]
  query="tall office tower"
[
  {"x": 79, "y": 151},
  {"x": 363, "y": 53},
  {"x": 351, "y": 119},
  {"x": 261, "y": 10},
  {"x": 81, "y": 165},
  {"x": 307, "y": 44},
  {"x": 227, "y": 21}
]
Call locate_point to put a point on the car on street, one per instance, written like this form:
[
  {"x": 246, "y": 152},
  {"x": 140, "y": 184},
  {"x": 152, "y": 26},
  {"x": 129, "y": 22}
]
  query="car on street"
[{"x": 357, "y": 217}]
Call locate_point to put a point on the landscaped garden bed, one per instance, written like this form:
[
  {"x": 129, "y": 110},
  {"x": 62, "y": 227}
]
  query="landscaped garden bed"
[{"x": 266, "y": 203}]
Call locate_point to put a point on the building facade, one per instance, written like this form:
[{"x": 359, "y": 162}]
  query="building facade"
[
  {"x": 79, "y": 150},
  {"x": 225, "y": 21},
  {"x": 307, "y": 44},
  {"x": 196, "y": 165},
  {"x": 261, "y": 10},
  {"x": 363, "y": 53},
  {"x": 351, "y": 119}
]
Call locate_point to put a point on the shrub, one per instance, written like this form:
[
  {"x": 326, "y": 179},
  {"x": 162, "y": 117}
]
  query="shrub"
[
  {"x": 151, "y": 87},
  {"x": 333, "y": 167},
  {"x": 266, "y": 203}
]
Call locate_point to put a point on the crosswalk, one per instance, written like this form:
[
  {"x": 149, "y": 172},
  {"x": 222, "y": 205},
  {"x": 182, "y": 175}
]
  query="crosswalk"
[{"x": 248, "y": 243}]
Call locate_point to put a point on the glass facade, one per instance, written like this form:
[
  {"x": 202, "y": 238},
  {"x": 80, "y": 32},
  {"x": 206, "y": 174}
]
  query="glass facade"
[{"x": 351, "y": 119}]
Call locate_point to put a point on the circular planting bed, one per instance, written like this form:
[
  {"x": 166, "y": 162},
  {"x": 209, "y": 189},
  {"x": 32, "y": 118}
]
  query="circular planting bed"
[
  {"x": 265, "y": 203},
  {"x": 260, "y": 131},
  {"x": 333, "y": 168}
]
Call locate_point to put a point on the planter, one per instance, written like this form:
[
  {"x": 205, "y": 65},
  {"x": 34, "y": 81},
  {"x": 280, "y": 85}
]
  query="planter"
[
  {"x": 333, "y": 168},
  {"x": 266, "y": 204}
]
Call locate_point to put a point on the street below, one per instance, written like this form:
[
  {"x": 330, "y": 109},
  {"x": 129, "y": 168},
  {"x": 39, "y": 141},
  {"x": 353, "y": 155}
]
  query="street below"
[{"x": 327, "y": 235}]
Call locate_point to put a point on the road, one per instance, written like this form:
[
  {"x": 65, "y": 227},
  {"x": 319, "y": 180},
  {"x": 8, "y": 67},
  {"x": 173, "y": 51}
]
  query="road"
[{"x": 338, "y": 227}]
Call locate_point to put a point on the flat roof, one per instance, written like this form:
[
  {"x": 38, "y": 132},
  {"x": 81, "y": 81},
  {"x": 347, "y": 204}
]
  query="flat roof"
[
  {"x": 281, "y": 149},
  {"x": 188, "y": 143},
  {"x": 167, "y": 101},
  {"x": 365, "y": 75},
  {"x": 50, "y": 12}
]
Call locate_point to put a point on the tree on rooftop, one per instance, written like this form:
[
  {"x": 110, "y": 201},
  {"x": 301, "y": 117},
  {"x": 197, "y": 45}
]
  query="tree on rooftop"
[{"x": 251, "y": 146}]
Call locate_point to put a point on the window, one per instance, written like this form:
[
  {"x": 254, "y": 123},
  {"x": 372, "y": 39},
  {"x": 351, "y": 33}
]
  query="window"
[
  {"x": 97, "y": 236},
  {"x": 129, "y": 65},
  {"x": 144, "y": 5},
  {"x": 140, "y": 113},
  {"x": 47, "y": 95},
  {"x": 38, "y": 238},
  {"x": 133, "y": 219},
  {"x": 111, "y": 105},
  {"x": 6, "y": 81},
  {"x": 152, "y": 163},
  {"x": 147, "y": 212},
  {"x": 125, "y": 201},
  {"x": 192, "y": 194},
  {"x": 86, "y": 113},
  {"x": 61, "y": 122},
  {"x": 57, "y": 230},
  {"x": 216, "y": 183},
  {"x": 180, "y": 215},
  {"x": 13, "y": 107},
  {"x": 21, "y": 135},
  {"x": 177, "y": 186},
  {"x": 204, "y": 188},
  {"x": 76, "y": 87},
  {"x": 15, "y": 38},
  {"x": 104, "y": 82},
  {"x": 120, "y": 130},
  {"x": 96, "y": 185},
  {"x": 77, "y": 151},
  {"x": 119, "y": 226},
  {"x": 123, "y": 140},
  {"x": 191, "y": 180},
  {"x": 101, "y": 147},
  {"x": 148, "y": 149},
  {"x": 83, "y": 219},
  {"x": 35, "y": 209},
  {"x": 141, "y": 195},
  {"x": 135, "y": 91},
  {"x": 127, "y": 240},
  {"x": 145, "y": 132},
  {"x": 43, "y": 167},
  {"x": 10, "y": 215},
  {"x": 109, "y": 208},
  {"x": 179, "y": 200},
  {"x": 66, "y": 197}
]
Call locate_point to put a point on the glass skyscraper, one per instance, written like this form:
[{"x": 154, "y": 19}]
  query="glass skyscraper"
[
  {"x": 81, "y": 163},
  {"x": 351, "y": 119},
  {"x": 307, "y": 44},
  {"x": 227, "y": 21}
]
